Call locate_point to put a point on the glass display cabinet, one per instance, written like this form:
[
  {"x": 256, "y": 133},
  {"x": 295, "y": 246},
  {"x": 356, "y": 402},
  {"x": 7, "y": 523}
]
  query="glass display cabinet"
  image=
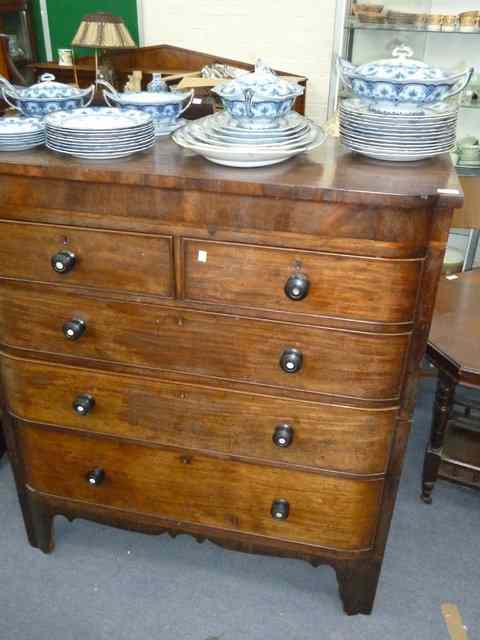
[
  {"x": 16, "y": 23},
  {"x": 443, "y": 33}
]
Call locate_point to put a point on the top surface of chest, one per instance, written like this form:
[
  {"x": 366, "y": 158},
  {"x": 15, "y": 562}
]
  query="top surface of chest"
[{"x": 329, "y": 174}]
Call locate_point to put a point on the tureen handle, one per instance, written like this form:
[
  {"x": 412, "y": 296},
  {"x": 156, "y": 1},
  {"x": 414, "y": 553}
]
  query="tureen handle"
[
  {"x": 461, "y": 84},
  {"x": 47, "y": 77},
  {"x": 345, "y": 70},
  {"x": 91, "y": 88},
  {"x": 12, "y": 92},
  {"x": 108, "y": 85},
  {"x": 107, "y": 96},
  {"x": 403, "y": 51},
  {"x": 248, "y": 93},
  {"x": 7, "y": 100},
  {"x": 189, "y": 102}
]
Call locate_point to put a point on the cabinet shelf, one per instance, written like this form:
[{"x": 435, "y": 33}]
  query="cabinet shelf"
[{"x": 355, "y": 24}]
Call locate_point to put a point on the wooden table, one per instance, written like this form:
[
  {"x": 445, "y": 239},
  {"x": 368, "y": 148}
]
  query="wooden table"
[
  {"x": 453, "y": 452},
  {"x": 221, "y": 352}
]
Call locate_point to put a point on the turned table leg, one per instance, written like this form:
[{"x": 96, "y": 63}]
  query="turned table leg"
[
  {"x": 3, "y": 446},
  {"x": 444, "y": 397}
]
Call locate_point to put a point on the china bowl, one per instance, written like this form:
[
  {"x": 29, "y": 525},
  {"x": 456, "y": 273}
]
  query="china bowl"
[
  {"x": 165, "y": 107},
  {"x": 45, "y": 97},
  {"x": 258, "y": 99},
  {"x": 400, "y": 84}
]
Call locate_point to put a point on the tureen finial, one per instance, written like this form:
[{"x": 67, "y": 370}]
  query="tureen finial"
[
  {"x": 403, "y": 51},
  {"x": 261, "y": 67}
]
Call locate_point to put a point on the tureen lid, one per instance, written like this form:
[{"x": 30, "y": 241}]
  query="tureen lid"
[
  {"x": 400, "y": 68},
  {"x": 262, "y": 83},
  {"x": 47, "y": 88},
  {"x": 152, "y": 97}
]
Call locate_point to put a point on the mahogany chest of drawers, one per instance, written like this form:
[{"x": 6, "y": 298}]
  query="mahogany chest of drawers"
[{"x": 225, "y": 353}]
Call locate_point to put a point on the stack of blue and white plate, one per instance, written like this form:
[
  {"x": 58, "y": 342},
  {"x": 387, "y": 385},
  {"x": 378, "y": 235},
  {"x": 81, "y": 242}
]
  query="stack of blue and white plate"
[
  {"x": 18, "y": 134},
  {"x": 258, "y": 126},
  {"x": 402, "y": 109},
  {"x": 220, "y": 139},
  {"x": 99, "y": 133},
  {"x": 394, "y": 138}
]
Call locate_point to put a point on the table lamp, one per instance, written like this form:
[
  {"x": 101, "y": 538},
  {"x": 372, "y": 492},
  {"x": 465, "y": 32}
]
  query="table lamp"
[{"x": 100, "y": 31}]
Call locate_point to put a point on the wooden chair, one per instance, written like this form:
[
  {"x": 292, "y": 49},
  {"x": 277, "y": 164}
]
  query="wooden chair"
[{"x": 453, "y": 452}]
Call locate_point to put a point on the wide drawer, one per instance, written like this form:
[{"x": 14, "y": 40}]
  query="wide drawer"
[
  {"x": 323, "y": 510},
  {"x": 256, "y": 426},
  {"x": 107, "y": 260},
  {"x": 359, "y": 288},
  {"x": 337, "y": 362}
]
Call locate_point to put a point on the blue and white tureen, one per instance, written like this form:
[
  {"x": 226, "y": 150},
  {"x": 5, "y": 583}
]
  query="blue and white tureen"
[
  {"x": 46, "y": 96},
  {"x": 400, "y": 84},
  {"x": 165, "y": 107},
  {"x": 260, "y": 98}
]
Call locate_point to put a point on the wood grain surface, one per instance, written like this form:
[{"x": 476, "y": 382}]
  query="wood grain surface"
[
  {"x": 345, "y": 286},
  {"x": 324, "y": 511},
  {"x": 202, "y": 418},
  {"x": 213, "y": 346},
  {"x": 104, "y": 259}
]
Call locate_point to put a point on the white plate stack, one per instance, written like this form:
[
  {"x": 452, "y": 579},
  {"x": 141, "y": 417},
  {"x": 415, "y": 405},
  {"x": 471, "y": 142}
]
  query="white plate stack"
[
  {"x": 398, "y": 137},
  {"x": 19, "y": 134},
  {"x": 99, "y": 133},
  {"x": 221, "y": 139}
]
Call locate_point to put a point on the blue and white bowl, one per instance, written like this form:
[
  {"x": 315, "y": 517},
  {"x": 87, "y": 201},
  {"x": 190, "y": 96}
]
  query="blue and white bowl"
[
  {"x": 165, "y": 107},
  {"x": 258, "y": 99},
  {"x": 47, "y": 96},
  {"x": 401, "y": 85}
]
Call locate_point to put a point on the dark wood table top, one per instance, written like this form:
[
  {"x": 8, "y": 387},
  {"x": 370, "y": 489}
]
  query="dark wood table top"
[
  {"x": 454, "y": 342},
  {"x": 329, "y": 174}
]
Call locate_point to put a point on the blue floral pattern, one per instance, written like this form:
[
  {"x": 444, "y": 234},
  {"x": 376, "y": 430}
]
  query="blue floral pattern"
[
  {"x": 264, "y": 110},
  {"x": 415, "y": 92},
  {"x": 400, "y": 80}
]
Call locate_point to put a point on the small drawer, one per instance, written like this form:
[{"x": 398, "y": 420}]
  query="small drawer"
[
  {"x": 205, "y": 345},
  {"x": 259, "y": 427},
  {"x": 303, "y": 282},
  {"x": 295, "y": 506},
  {"x": 105, "y": 260}
]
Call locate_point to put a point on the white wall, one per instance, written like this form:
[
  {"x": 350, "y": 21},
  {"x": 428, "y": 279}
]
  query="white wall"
[{"x": 293, "y": 35}]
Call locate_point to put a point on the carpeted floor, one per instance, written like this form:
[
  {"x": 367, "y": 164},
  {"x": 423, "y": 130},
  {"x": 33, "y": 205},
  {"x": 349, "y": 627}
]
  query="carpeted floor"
[{"x": 102, "y": 583}]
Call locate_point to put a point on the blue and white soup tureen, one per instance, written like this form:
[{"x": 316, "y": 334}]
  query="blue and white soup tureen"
[
  {"x": 258, "y": 99},
  {"x": 165, "y": 107},
  {"x": 46, "y": 96},
  {"x": 401, "y": 85}
]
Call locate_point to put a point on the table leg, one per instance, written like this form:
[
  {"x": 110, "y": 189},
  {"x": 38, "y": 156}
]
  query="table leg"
[
  {"x": 3, "y": 446},
  {"x": 444, "y": 397}
]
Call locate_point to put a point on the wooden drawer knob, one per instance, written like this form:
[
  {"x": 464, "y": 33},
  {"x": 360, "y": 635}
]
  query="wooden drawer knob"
[
  {"x": 280, "y": 509},
  {"x": 74, "y": 329},
  {"x": 63, "y": 261},
  {"x": 297, "y": 286},
  {"x": 283, "y": 435},
  {"x": 83, "y": 404},
  {"x": 291, "y": 360},
  {"x": 95, "y": 477}
]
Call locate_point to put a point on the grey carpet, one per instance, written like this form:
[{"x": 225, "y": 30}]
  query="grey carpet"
[{"x": 102, "y": 583}]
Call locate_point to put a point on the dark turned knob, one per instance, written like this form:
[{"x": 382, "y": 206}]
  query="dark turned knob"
[
  {"x": 297, "y": 286},
  {"x": 283, "y": 435},
  {"x": 95, "y": 477},
  {"x": 280, "y": 509},
  {"x": 291, "y": 360},
  {"x": 74, "y": 329},
  {"x": 63, "y": 261},
  {"x": 84, "y": 404}
]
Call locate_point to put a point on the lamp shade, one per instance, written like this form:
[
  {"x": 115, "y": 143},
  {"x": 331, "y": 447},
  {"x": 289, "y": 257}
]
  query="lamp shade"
[{"x": 103, "y": 31}]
